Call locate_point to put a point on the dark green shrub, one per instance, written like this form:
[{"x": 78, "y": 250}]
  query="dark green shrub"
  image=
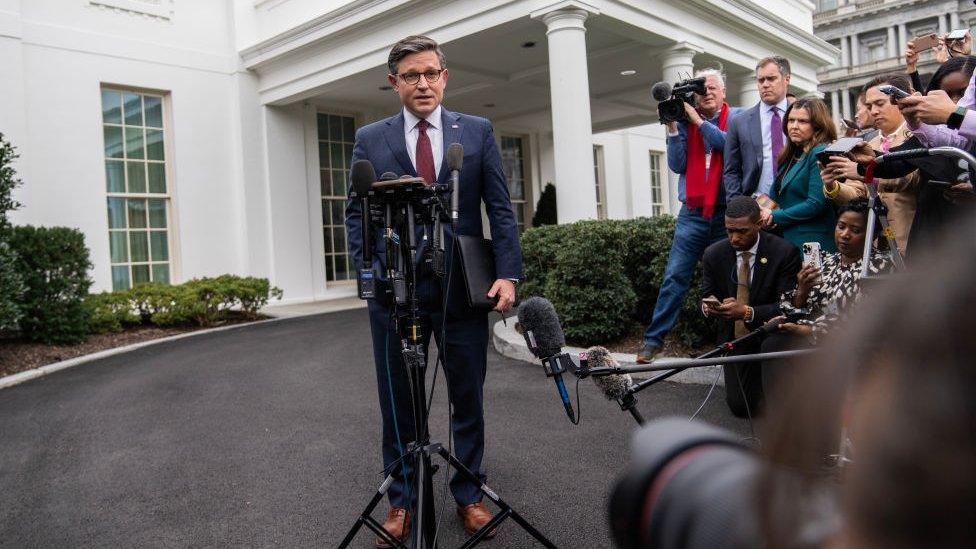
[
  {"x": 11, "y": 283},
  {"x": 54, "y": 264},
  {"x": 545, "y": 208},
  {"x": 110, "y": 311},
  {"x": 252, "y": 293},
  {"x": 603, "y": 277}
]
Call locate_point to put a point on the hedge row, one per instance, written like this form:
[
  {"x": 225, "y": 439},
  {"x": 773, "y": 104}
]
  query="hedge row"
[
  {"x": 201, "y": 302},
  {"x": 603, "y": 277}
]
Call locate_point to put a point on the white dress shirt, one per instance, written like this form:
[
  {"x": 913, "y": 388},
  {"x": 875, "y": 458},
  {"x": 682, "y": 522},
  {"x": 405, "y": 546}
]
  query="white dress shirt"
[
  {"x": 434, "y": 132},
  {"x": 765, "y": 117}
]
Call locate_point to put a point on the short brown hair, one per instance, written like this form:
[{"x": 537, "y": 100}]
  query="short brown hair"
[
  {"x": 899, "y": 81},
  {"x": 824, "y": 129},
  {"x": 781, "y": 63},
  {"x": 413, "y": 44}
]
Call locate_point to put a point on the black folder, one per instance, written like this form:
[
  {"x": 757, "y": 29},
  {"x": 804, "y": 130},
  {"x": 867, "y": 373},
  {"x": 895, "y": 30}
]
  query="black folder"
[{"x": 478, "y": 269}]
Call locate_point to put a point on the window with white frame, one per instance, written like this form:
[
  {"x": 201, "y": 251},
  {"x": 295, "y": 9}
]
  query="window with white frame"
[
  {"x": 513, "y": 164},
  {"x": 598, "y": 177},
  {"x": 137, "y": 187},
  {"x": 657, "y": 194},
  {"x": 337, "y": 134}
]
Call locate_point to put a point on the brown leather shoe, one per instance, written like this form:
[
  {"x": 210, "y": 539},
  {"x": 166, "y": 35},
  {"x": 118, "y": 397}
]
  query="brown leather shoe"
[
  {"x": 397, "y": 524},
  {"x": 475, "y": 516},
  {"x": 647, "y": 353}
]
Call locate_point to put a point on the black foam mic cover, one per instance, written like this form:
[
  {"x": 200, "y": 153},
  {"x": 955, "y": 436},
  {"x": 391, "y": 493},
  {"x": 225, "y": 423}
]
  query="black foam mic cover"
[
  {"x": 363, "y": 177},
  {"x": 540, "y": 326},
  {"x": 661, "y": 91},
  {"x": 455, "y": 156}
]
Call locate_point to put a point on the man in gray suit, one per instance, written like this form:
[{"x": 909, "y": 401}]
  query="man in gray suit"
[{"x": 755, "y": 137}]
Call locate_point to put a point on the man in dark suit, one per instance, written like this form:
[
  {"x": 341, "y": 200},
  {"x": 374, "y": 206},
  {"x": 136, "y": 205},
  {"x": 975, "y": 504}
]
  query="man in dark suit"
[
  {"x": 414, "y": 143},
  {"x": 748, "y": 272},
  {"x": 756, "y": 136}
]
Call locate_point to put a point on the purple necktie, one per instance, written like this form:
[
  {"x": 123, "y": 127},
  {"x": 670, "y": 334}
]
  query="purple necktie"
[{"x": 776, "y": 134}]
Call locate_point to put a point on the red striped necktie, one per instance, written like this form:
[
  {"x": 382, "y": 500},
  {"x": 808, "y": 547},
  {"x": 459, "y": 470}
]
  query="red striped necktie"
[{"x": 425, "y": 155}]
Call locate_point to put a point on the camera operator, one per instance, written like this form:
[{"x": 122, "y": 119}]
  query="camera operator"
[
  {"x": 695, "y": 148},
  {"x": 747, "y": 273},
  {"x": 842, "y": 182}
]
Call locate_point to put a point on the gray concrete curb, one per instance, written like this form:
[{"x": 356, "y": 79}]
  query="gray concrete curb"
[
  {"x": 21, "y": 377},
  {"x": 510, "y": 343}
]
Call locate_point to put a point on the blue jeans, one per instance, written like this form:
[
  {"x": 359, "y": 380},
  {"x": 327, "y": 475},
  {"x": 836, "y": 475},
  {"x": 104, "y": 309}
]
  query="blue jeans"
[{"x": 692, "y": 235}]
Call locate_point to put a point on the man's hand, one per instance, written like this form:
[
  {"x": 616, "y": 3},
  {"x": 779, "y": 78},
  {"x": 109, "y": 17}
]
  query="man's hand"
[
  {"x": 672, "y": 127},
  {"x": 844, "y": 168},
  {"x": 911, "y": 57},
  {"x": 797, "y": 329},
  {"x": 933, "y": 108},
  {"x": 941, "y": 52},
  {"x": 730, "y": 309},
  {"x": 862, "y": 153},
  {"x": 692, "y": 114},
  {"x": 959, "y": 48},
  {"x": 505, "y": 290},
  {"x": 960, "y": 193}
]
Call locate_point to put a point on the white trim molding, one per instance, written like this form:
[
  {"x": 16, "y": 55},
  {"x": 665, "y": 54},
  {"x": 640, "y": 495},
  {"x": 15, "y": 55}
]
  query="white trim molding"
[{"x": 157, "y": 9}]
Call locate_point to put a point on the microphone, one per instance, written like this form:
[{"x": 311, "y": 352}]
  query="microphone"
[
  {"x": 539, "y": 325},
  {"x": 388, "y": 176},
  {"x": 661, "y": 91},
  {"x": 363, "y": 175},
  {"x": 902, "y": 155},
  {"x": 614, "y": 386},
  {"x": 455, "y": 157}
]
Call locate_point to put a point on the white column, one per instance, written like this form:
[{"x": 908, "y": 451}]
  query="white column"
[
  {"x": 845, "y": 52},
  {"x": 677, "y": 63},
  {"x": 943, "y": 23},
  {"x": 892, "y": 43},
  {"x": 845, "y": 101},
  {"x": 954, "y": 20},
  {"x": 748, "y": 89},
  {"x": 835, "y": 106},
  {"x": 902, "y": 39},
  {"x": 855, "y": 51},
  {"x": 572, "y": 126}
]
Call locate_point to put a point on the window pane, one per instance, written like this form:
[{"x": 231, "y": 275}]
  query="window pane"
[
  {"x": 113, "y": 142},
  {"x": 119, "y": 246},
  {"x": 139, "y": 244},
  {"x": 339, "y": 240},
  {"x": 116, "y": 213},
  {"x": 157, "y": 178},
  {"x": 324, "y": 162},
  {"x": 338, "y": 215},
  {"x": 111, "y": 107},
  {"x": 137, "y": 176},
  {"x": 329, "y": 270},
  {"x": 140, "y": 274},
  {"x": 137, "y": 214},
  {"x": 327, "y": 238},
  {"x": 323, "y": 124},
  {"x": 347, "y": 155},
  {"x": 154, "y": 111},
  {"x": 159, "y": 246},
  {"x": 157, "y": 213},
  {"x": 160, "y": 273},
  {"x": 337, "y": 161},
  {"x": 325, "y": 182},
  {"x": 349, "y": 128},
  {"x": 120, "y": 278},
  {"x": 114, "y": 176},
  {"x": 135, "y": 146},
  {"x": 335, "y": 128},
  {"x": 133, "y": 109},
  {"x": 154, "y": 144},
  {"x": 339, "y": 183}
]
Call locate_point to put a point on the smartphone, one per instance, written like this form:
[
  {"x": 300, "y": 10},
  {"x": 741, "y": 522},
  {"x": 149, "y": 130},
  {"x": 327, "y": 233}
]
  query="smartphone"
[
  {"x": 711, "y": 301},
  {"x": 893, "y": 92},
  {"x": 841, "y": 147},
  {"x": 850, "y": 123},
  {"x": 940, "y": 184},
  {"x": 926, "y": 42},
  {"x": 958, "y": 34},
  {"x": 811, "y": 255}
]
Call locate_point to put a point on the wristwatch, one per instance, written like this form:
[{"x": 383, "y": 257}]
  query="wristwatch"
[
  {"x": 955, "y": 119},
  {"x": 750, "y": 313}
]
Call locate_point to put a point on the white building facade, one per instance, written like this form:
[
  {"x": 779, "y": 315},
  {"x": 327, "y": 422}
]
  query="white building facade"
[{"x": 194, "y": 138}]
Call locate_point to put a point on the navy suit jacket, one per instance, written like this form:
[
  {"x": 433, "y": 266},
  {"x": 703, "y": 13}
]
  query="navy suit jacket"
[
  {"x": 481, "y": 179},
  {"x": 743, "y": 158}
]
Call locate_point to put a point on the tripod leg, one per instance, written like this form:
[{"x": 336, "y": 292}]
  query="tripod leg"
[
  {"x": 506, "y": 509},
  {"x": 370, "y": 522}
]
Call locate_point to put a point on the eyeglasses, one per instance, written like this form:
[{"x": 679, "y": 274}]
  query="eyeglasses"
[{"x": 413, "y": 78}]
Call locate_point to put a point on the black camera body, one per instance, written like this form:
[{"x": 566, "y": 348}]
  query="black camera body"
[{"x": 686, "y": 91}]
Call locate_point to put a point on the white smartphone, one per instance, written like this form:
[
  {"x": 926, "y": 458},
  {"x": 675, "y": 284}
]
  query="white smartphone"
[
  {"x": 811, "y": 255},
  {"x": 958, "y": 34}
]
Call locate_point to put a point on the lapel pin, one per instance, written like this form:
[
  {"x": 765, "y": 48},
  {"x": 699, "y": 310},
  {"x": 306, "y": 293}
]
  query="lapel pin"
[
  {"x": 763, "y": 260},
  {"x": 454, "y": 126}
]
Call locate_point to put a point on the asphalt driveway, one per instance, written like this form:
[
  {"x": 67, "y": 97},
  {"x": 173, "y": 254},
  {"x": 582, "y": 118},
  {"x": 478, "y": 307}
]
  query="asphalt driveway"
[{"x": 268, "y": 436}]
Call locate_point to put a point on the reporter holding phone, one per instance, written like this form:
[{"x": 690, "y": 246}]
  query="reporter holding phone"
[
  {"x": 803, "y": 213},
  {"x": 841, "y": 179}
]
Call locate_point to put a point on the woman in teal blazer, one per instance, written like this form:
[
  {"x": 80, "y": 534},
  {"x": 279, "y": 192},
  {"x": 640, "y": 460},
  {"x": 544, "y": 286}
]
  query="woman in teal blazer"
[{"x": 804, "y": 214}]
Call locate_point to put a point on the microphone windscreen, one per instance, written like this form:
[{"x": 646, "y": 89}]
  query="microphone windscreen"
[
  {"x": 363, "y": 177},
  {"x": 540, "y": 327},
  {"x": 388, "y": 176},
  {"x": 455, "y": 156},
  {"x": 661, "y": 91},
  {"x": 613, "y": 386}
]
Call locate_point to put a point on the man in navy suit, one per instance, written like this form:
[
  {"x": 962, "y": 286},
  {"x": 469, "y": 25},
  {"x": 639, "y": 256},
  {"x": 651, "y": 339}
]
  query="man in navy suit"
[
  {"x": 756, "y": 136},
  {"x": 414, "y": 142}
]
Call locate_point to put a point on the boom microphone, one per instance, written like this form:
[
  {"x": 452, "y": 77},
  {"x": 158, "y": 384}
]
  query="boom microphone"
[
  {"x": 614, "y": 386},
  {"x": 661, "y": 91},
  {"x": 455, "y": 157},
  {"x": 903, "y": 155},
  {"x": 363, "y": 175},
  {"x": 539, "y": 325}
]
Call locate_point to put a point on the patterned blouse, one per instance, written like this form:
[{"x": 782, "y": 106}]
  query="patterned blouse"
[{"x": 836, "y": 294}]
